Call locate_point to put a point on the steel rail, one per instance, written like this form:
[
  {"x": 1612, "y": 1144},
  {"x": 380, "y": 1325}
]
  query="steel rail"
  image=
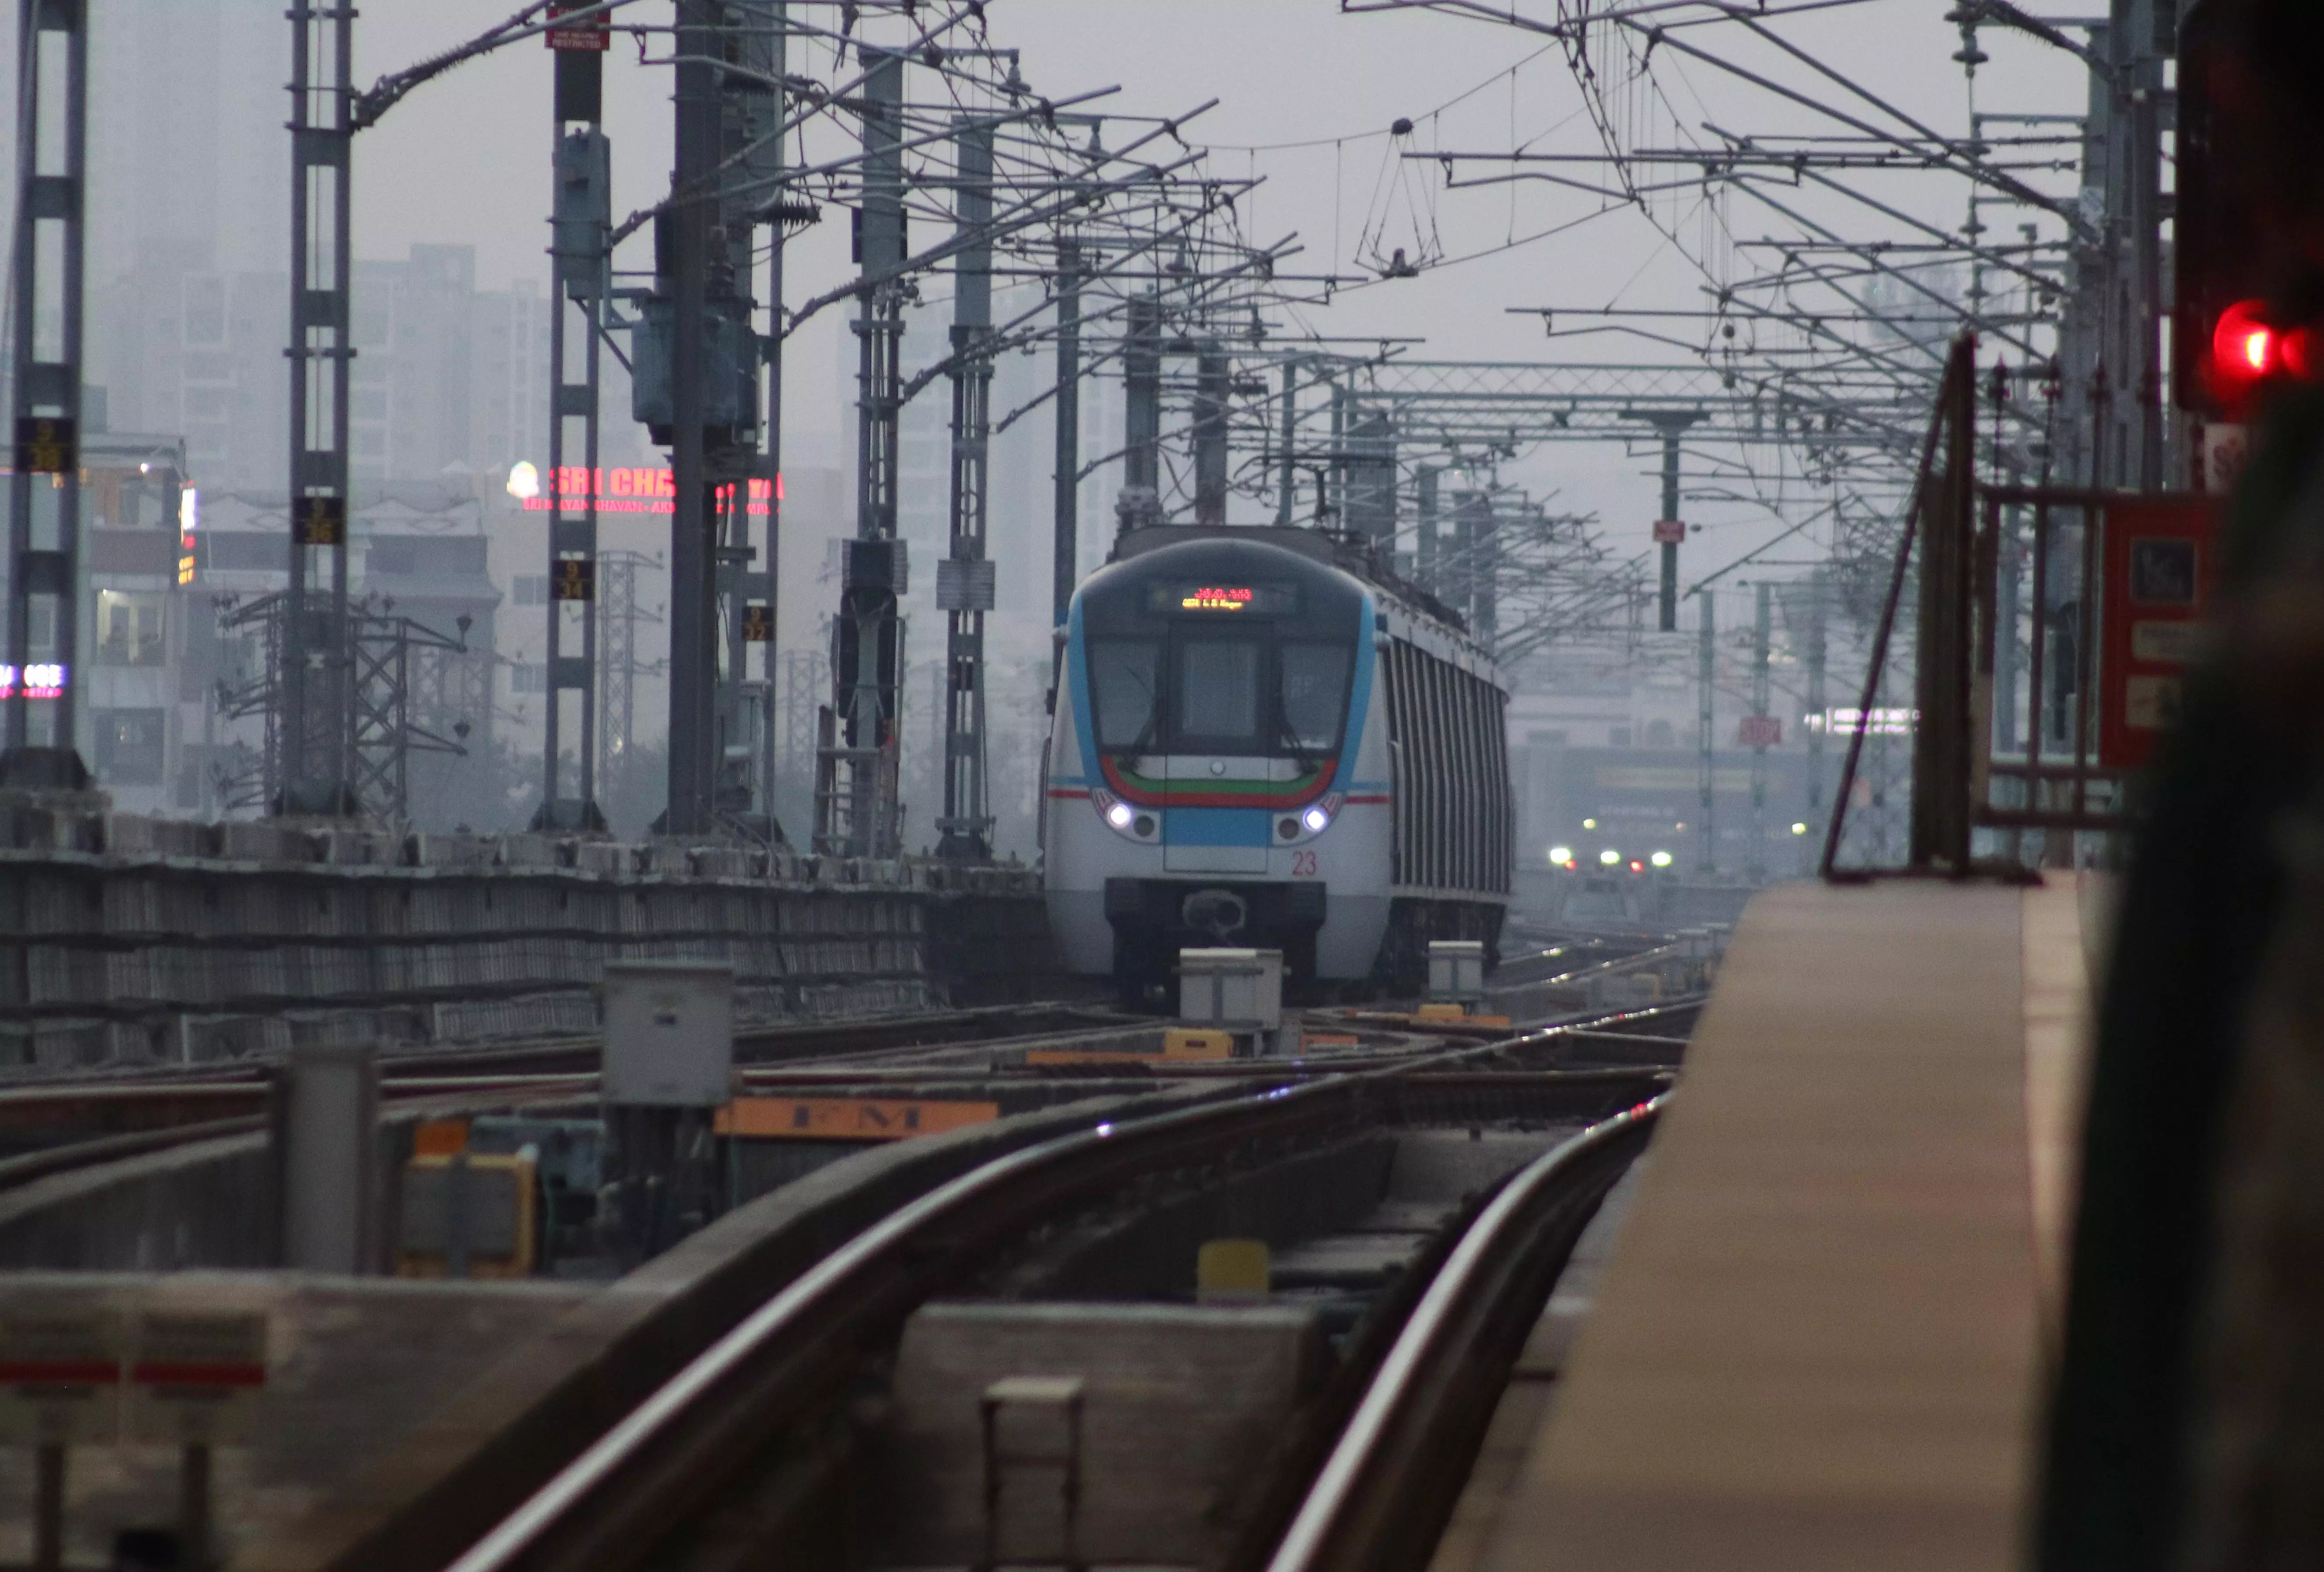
[
  {"x": 824, "y": 1071},
  {"x": 1382, "y": 1498},
  {"x": 610, "y": 1506}
]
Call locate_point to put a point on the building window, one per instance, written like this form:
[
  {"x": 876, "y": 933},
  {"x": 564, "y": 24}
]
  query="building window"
[
  {"x": 128, "y": 629},
  {"x": 1617, "y": 736},
  {"x": 129, "y": 746},
  {"x": 1659, "y": 734},
  {"x": 528, "y": 676},
  {"x": 533, "y": 589},
  {"x": 204, "y": 303}
]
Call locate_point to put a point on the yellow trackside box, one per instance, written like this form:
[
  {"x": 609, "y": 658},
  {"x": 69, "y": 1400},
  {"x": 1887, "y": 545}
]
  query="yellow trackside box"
[
  {"x": 1184, "y": 1044},
  {"x": 1231, "y": 1271},
  {"x": 1440, "y": 1013},
  {"x": 479, "y": 1208}
]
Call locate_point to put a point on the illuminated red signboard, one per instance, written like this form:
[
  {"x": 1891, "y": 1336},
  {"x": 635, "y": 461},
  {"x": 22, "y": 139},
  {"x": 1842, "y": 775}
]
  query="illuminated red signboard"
[
  {"x": 628, "y": 491},
  {"x": 1216, "y": 597},
  {"x": 2160, "y": 566}
]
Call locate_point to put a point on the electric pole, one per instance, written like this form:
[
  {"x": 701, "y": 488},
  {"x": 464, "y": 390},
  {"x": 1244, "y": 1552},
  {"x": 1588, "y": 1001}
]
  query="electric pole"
[
  {"x": 964, "y": 578},
  {"x": 316, "y": 691},
  {"x": 856, "y": 769},
  {"x": 687, "y": 222},
  {"x": 580, "y": 277},
  {"x": 1066, "y": 546},
  {"x": 44, "y": 522}
]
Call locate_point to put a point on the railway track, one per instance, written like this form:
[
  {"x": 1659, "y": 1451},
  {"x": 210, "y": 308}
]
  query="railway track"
[
  {"x": 662, "y": 1486},
  {"x": 56, "y": 1127},
  {"x": 1380, "y": 1502}
]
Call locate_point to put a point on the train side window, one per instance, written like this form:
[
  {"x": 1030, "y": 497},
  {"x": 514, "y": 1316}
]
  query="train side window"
[
  {"x": 1124, "y": 690},
  {"x": 1218, "y": 692},
  {"x": 1314, "y": 679}
]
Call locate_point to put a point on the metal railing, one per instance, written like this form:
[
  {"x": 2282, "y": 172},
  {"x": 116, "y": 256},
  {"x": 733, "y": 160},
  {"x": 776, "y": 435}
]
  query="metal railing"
[{"x": 1988, "y": 755}]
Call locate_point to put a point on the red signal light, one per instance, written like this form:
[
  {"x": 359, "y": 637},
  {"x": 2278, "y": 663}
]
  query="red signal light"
[
  {"x": 1637, "y": 867},
  {"x": 2244, "y": 348},
  {"x": 2248, "y": 351},
  {"x": 2298, "y": 351}
]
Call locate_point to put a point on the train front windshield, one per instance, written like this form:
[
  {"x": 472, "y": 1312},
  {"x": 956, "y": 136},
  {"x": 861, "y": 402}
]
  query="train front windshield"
[{"x": 1219, "y": 665}]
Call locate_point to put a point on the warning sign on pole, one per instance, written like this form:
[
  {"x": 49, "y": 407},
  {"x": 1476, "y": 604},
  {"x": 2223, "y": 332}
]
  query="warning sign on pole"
[
  {"x": 594, "y": 33},
  {"x": 195, "y": 1379},
  {"x": 60, "y": 1376}
]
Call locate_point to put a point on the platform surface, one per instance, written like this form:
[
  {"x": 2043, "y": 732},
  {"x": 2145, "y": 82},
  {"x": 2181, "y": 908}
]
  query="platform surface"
[{"x": 1819, "y": 1345}]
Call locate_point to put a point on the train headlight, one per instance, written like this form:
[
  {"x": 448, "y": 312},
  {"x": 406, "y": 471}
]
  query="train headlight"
[
  {"x": 1609, "y": 857},
  {"x": 1311, "y": 820},
  {"x": 1660, "y": 859},
  {"x": 1122, "y": 817},
  {"x": 1560, "y": 855}
]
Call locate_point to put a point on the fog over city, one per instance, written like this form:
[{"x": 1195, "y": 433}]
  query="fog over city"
[{"x": 189, "y": 236}]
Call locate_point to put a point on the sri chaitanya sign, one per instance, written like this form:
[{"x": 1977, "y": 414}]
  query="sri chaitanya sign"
[{"x": 639, "y": 490}]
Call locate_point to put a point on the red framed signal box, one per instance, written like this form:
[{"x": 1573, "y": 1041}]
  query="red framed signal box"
[{"x": 2160, "y": 573}]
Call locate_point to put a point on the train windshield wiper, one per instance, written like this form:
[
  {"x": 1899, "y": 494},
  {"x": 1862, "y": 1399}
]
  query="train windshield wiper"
[
  {"x": 1300, "y": 754},
  {"x": 1138, "y": 743}
]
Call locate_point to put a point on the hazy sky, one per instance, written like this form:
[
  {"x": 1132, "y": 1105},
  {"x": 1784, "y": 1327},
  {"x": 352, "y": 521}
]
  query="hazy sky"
[
  {"x": 463, "y": 158},
  {"x": 1306, "y": 96}
]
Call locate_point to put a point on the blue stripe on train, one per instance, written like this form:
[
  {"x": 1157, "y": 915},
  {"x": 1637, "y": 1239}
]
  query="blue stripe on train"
[{"x": 1217, "y": 827}]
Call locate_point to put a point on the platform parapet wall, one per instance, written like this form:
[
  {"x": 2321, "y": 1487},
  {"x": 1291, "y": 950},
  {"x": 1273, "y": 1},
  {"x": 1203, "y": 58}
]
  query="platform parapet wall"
[{"x": 134, "y": 940}]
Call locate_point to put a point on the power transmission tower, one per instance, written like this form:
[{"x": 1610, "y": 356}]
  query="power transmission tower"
[
  {"x": 619, "y": 614},
  {"x": 379, "y": 657},
  {"x": 381, "y": 648}
]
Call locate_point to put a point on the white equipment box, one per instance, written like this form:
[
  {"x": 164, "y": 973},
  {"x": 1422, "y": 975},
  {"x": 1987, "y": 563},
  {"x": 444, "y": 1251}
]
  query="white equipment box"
[
  {"x": 669, "y": 1034},
  {"x": 1456, "y": 970},
  {"x": 1239, "y": 990}
]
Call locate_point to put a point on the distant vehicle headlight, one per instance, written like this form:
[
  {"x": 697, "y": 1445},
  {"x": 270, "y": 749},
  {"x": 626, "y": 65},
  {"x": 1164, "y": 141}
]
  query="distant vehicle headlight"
[
  {"x": 1560, "y": 855},
  {"x": 1660, "y": 859},
  {"x": 1609, "y": 857}
]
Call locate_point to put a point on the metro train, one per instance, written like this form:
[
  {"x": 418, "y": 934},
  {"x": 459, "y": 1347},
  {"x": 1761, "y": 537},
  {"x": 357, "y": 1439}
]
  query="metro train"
[{"x": 1262, "y": 737}]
